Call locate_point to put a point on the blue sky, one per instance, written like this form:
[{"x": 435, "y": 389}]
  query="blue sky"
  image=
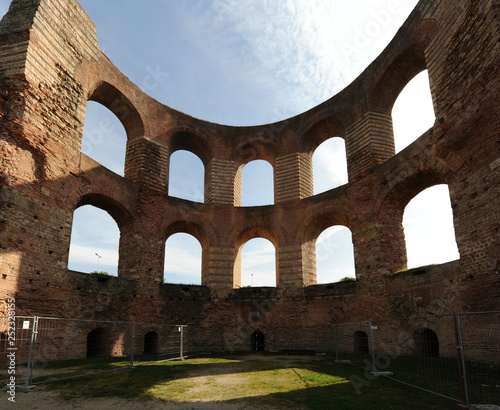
[{"x": 247, "y": 62}]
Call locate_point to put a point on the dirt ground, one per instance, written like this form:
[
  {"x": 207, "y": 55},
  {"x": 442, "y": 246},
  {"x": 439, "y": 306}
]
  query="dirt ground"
[{"x": 43, "y": 399}]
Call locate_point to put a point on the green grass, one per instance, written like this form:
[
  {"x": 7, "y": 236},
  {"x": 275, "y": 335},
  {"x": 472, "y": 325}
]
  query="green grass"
[{"x": 275, "y": 381}]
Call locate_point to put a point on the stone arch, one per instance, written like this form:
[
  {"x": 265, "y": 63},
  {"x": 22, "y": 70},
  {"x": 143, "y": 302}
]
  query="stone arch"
[
  {"x": 360, "y": 342},
  {"x": 403, "y": 68},
  {"x": 243, "y": 238},
  {"x": 114, "y": 100},
  {"x": 115, "y": 209},
  {"x": 192, "y": 142},
  {"x": 320, "y": 132}
]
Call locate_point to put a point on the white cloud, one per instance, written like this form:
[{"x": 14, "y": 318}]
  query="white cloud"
[{"x": 182, "y": 259}]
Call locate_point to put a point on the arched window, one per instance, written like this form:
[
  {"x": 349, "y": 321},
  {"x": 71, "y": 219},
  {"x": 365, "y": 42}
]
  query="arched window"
[
  {"x": 428, "y": 228},
  {"x": 361, "y": 342},
  {"x": 96, "y": 343},
  {"x": 94, "y": 241},
  {"x": 104, "y": 137},
  {"x": 334, "y": 255},
  {"x": 426, "y": 342},
  {"x": 330, "y": 165},
  {"x": 413, "y": 111},
  {"x": 182, "y": 259},
  {"x": 257, "y": 183},
  {"x": 186, "y": 176},
  {"x": 258, "y": 263}
]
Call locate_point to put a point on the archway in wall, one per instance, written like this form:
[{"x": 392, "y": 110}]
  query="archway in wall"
[
  {"x": 104, "y": 137},
  {"x": 257, "y": 183},
  {"x": 426, "y": 342},
  {"x": 258, "y": 341},
  {"x": 413, "y": 111},
  {"x": 335, "y": 255},
  {"x": 258, "y": 263},
  {"x": 186, "y": 176},
  {"x": 96, "y": 343},
  {"x": 151, "y": 343},
  {"x": 361, "y": 345},
  {"x": 182, "y": 260},
  {"x": 428, "y": 228},
  {"x": 329, "y": 165},
  {"x": 94, "y": 241}
]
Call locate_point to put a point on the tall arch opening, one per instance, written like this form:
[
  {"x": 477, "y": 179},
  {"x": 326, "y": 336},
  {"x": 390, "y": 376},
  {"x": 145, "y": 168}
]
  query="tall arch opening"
[
  {"x": 428, "y": 228},
  {"x": 96, "y": 343},
  {"x": 95, "y": 237},
  {"x": 426, "y": 342},
  {"x": 186, "y": 176},
  {"x": 258, "y": 263},
  {"x": 257, "y": 183},
  {"x": 329, "y": 165},
  {"x": 182, "y": 263},
  {"x": 413, "y": 111},
  {"x": 335, "y": 255},
  {"x": 104, "y": 137}
]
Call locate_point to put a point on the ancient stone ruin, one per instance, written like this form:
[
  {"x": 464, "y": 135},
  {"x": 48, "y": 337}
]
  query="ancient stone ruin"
[{"x": 51, "y": 65}]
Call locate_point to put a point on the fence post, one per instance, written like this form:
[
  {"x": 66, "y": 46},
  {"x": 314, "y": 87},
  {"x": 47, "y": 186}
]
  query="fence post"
[
  {"x": 461, "y": 358},
  {"x": 372, "y": 346},
  {"x": 181, "y": 330},
  {"x": 31, "y": 357},
  {"x": 132, "y": 346}
]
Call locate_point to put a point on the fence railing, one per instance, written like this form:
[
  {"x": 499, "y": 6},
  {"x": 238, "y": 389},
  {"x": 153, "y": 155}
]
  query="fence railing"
[
  {"x": 36, "y": 349},
  {"x": 455, "y": 356}
]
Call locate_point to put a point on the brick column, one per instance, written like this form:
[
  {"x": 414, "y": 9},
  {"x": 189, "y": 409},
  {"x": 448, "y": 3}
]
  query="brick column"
[
  {"x": 379, "y": 249},
  {"x": 293, "y": 177},
  {"x": 221, "y": 269},
  {"x": 296, "y": 266},
  {"x": 146, "y": 163},
  {"x": 369, "y": 142},
  {"x": 222, "y": 182}
]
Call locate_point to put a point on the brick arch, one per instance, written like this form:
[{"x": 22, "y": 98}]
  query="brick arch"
[
  {"x": 256, "y": 232},
  {"x": 409, "y": 182},
  {"x": 320, "y": 132},
  {"x": 404, "y": 67},
  {"x": 114, "y": 100},
  {"x": 191, "y": 228},
  {"x": 192, "y": 142},
  {"x": 261, "y": 145},
  {"x": 115, "y": 209},
  {"x": 319, "y": 223}
]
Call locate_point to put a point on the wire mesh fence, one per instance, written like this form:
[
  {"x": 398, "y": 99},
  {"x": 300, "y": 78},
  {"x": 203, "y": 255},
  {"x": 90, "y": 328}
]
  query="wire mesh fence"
[
  {"x": 455, "y": 356},
  {"x": 40, "y": 349}
]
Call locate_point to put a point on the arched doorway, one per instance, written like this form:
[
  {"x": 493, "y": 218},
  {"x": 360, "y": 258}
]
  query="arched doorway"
[
  {"x": 426, "y": 342},
  {"x": 361, "y": 342},
  {"x": 258, "y": 341},
  {"x": 151, "y": 343},
  {"x": 96, "y": 343}
]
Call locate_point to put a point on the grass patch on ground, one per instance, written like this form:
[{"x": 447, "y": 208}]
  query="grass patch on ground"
[{"x": 279, "y": 381}]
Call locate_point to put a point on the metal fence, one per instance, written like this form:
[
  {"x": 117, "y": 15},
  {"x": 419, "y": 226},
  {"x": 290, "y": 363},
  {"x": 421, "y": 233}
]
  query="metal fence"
[
  {"x": 35, "y": 350},
  {"x": 455, "y": 356}
]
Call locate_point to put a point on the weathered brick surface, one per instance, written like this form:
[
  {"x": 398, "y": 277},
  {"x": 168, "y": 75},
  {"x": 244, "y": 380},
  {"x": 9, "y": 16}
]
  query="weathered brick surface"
[{"x": 50, "y": 66}]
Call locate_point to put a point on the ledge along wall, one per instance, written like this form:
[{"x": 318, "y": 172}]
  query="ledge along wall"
[{"x": 50, "y": 66}]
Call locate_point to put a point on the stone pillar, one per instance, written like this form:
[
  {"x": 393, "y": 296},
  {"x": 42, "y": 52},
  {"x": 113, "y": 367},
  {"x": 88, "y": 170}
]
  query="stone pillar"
[
  {"x": 221, "y": 270},
  {"x": 296, "y": 266},
  {"x": 293, "y": 177},
  {"x": 369, "y": 142},
  {"x": 222, "y": 183},
  {"x": 147, "y": 163}
]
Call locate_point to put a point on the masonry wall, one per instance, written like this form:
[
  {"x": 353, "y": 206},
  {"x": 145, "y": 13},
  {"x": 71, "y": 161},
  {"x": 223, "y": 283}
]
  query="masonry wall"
[{"x": 50, "y": 66}]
